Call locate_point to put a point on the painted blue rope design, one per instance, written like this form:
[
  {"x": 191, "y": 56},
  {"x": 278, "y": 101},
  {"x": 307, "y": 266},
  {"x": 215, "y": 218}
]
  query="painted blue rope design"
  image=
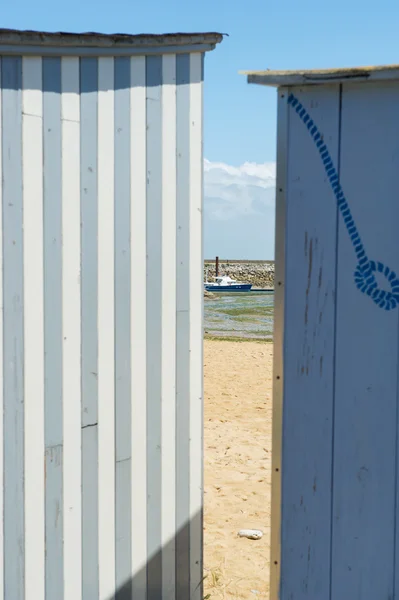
[{"x": 364, "y": 273}]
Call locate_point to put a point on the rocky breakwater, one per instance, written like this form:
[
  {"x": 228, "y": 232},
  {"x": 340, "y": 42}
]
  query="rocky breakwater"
[{"x": 260, "y": 274}]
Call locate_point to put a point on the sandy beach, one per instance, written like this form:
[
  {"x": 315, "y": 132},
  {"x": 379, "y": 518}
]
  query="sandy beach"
[{"x": 238, "y": 412}]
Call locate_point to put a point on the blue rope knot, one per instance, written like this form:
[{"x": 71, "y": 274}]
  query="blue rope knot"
[
  {"x": 367, "y": 283},
  {"x": 364, "y": 273}
]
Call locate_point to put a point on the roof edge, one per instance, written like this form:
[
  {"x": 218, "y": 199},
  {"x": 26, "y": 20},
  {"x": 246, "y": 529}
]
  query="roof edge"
[
  {"x": 322, "y": 76},
  {"x": 13, "y": 37}
]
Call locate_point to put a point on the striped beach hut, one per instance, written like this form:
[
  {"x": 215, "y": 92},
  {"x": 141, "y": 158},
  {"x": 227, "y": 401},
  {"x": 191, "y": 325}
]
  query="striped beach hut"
[{"x": 101, "y": 323}]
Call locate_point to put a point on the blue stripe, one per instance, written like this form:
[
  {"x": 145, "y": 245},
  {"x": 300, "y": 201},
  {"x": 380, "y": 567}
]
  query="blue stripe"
[
  {"x": 13, "y": 345},
  {"x": 89, "y": 291},
  {"x": 154, "y": 325},
  {"x": 183, "y": 331},
  {"x": 52, "y": 231},
  {"x": 123, "y": 411}
]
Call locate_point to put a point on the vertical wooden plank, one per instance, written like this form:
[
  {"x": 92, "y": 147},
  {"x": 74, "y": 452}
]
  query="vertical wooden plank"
[
  {"x": 183, "y": 328},
  {"x": 154, "y": 324},
  {"x": 138, "y": 183},
  {"x": 32, "y": 133},
  {"x": 311, "y": 238},
  {"x": 89, "y": 217},
  {"x": 52, "y": 234},
  {"x": 168, "y": 418},
  {"x": 123, "y": 299},
  {"x": 196, "y": 326},
  {"x": 13, "y": 328},
  {"x": 71, "y": 317},
  {"x": 366, "y": 352},
  {"x": 89, "y": 323},
  {"x": 106, "y": 331},
  {"x": 278, "y": 342},
  {"x": 1, "y": 359}
]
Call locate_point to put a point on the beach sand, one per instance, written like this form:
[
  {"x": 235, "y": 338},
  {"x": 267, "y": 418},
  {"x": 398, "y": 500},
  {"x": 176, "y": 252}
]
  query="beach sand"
[{"x": 238, "y": 413}]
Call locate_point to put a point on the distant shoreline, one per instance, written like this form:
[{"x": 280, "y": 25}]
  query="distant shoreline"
[
  {"x": 238, "y": 261},
  {"x": 260, "y": 273},
  {"x": 236, "y": 339}
]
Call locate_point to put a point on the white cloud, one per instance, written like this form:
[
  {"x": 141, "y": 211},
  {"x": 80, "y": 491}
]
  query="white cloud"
[
  {"x": 231, "y": 192},
  {"x": 239, "y": 210}
]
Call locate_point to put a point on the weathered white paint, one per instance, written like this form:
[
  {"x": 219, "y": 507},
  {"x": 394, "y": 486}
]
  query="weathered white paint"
[
  {"x": 279, "y": 297},
  {"x": 309, "y": 319},
  {"x": 1, "y": 368},
  {"x": 335, "y": 433},
  {"x": 32, "y": 160},
  {"x": 323, "y": 76},
  {"x": 106, "y": 329},
  {"x": 196, "y": 328},
  {"x": 138, "y": 323},
  {"x": 101, "y": 198},
  {"x": 366, "y": 373}
]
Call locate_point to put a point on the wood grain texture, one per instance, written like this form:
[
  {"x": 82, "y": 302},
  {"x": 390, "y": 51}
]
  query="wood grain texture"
[
  {"x": 366, "y": 353},
  {"x": 106, "y": 331},
  {"x": 183, "y": 328},
  {"x": 101, "y": 328},
  {"x": 1, "y": 359},
  {"x": 123, "y": 299},
  {"x": 53, "y": 400},
  {"x": 13, "y": 341},
  {"x": 339, "y": 493},
  {"x": 309, "y": 321},
  {"x": 138, "y": 322},
  {"x": 71, "y": 334},
  {"x": 154, "y": 325},
  {"x": 89, "y": 322},
  {"x": 278, "y": 340},
  {"x": 32, "y": 125},
  {"x": 196, "y": 327},
  {"x": 168, "y": 326}
]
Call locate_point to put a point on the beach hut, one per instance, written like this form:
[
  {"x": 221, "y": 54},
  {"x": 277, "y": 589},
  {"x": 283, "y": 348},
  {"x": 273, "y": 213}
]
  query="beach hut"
[
  {"x": 101, "y": 329},
  {"x": 335, "y": 532}
]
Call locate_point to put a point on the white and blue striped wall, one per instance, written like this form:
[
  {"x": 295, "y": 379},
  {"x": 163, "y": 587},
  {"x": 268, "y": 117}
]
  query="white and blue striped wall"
[{"x": 101, "y": 327}]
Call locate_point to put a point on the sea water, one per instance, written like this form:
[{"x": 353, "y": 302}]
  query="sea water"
[{"x": 240, "y": 315}]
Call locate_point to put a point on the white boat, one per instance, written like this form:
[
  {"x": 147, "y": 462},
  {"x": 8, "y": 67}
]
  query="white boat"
[{"x": 225, "y": 283}]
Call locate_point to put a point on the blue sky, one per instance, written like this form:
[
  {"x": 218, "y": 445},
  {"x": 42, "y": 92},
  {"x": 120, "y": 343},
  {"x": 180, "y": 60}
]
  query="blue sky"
[{"x": 240, "y": 120}]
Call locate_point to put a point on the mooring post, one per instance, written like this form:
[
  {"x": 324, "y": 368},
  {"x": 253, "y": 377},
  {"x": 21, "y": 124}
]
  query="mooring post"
[{"x": 217, "y": 267}]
